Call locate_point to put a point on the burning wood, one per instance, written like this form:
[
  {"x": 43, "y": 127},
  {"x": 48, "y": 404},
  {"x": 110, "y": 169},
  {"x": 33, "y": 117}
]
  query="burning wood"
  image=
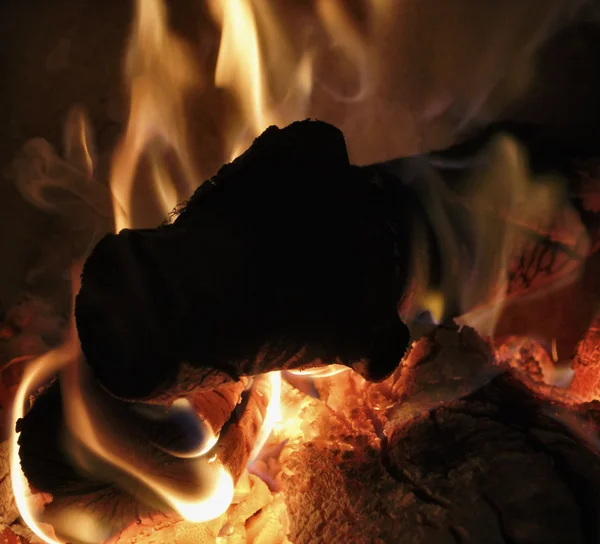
[
  {"x": 291, "y": 259},
  {"x": 323, "y": 286},
  {"x": 345, "y": 462},
  {"x": 287, "y": 258},
  {"x": 269, "y": 310},
  {"x": 487, "y": 465},
  {"x": 56, "y": 464}
]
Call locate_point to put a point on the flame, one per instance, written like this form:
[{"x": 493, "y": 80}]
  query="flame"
[
  {"x": 506, "y": 188},
  {"x": 239, "y": 64},
  {"x": 345, "y": 35},
  {"x": 88, "y": 428},
  {"x": 320, "y": 372},
  {"x": 259, "y": 67},
  {"x": 554, "y": 350},
  {"x": 271, "y": 82},
  {"x": 160, "y": 71},
  {"x": 36, "y": 373},
  {"x": 496, "y": 208},
  {"x": 272, "y": 415}
]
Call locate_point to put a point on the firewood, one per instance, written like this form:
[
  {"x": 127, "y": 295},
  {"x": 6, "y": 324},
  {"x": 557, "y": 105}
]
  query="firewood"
[
  {"x": 284, "y": 259},
  {"x": 290, "y": 257},
  {"x": 49, "y": 468}
]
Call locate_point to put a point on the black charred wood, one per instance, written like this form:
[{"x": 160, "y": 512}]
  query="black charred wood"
[{"x": 286, "y": 258}]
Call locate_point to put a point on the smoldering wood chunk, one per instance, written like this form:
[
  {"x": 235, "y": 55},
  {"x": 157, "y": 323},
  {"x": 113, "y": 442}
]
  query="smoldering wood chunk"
[
  {"x": 283, "y": 259},
  {"x": 586, "y": 364},
  {"x": 493, "y": 467},
  {"x": 47, "y": 449}
]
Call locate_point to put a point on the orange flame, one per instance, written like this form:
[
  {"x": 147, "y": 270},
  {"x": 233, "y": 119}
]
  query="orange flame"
[
  {"x": 88, "y": 428},
  {"x": 38, "y": 371},
  {"x": 272, "y": 415},
  {"x": 253, "y": 47},
  {"x": 160, "y": 71},
  {"x": 503, "y": 200}
]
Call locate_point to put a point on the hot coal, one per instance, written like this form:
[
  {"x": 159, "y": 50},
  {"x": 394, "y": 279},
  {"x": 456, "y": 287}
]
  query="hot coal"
[{"x": 492, "y": 466}]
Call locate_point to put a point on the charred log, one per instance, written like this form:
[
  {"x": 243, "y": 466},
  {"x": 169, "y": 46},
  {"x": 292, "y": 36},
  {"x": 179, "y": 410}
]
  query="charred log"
[
  {"x": 290, "y": 257},
  {"x": 285, "y": 258}
]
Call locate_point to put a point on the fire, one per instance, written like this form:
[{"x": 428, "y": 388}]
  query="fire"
[
  {"x": 507, "y": 204},
  {"x": 101, "y": 441},
  {"x": 252, "y": 48},
  {"x": 38, "y": 371},
  {"x": 272, "y": 83},
  {"x": 87, "y": 427},
  {"x": 160, "y": 72}
]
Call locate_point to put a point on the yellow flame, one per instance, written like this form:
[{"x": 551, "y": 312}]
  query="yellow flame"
[
  {"x": 239, "y": 64},
  {"x": 88, "y": 429},
  {"x": 321, "y": 372},
  {"x": 271, "y": 83},
  {"x": 504, "y": 199},
  {"x": 37, "y": 372},
  {"x": 160, "y": 71},
  {"x": 272, "y": 415},
  {"x": 501, "y": 205}
]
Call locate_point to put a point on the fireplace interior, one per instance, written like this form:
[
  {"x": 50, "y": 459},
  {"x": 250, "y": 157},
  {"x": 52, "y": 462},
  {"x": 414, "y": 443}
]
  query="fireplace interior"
[{"x": 300, "y": 272}]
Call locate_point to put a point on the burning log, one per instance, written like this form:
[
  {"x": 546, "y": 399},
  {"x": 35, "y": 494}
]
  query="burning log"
[
  {"x": 284, "y": 287},
  {"x": 288, "y": 257},
  {"x": 76, "y": 486},
  {"x": 495, "y": 465}
]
